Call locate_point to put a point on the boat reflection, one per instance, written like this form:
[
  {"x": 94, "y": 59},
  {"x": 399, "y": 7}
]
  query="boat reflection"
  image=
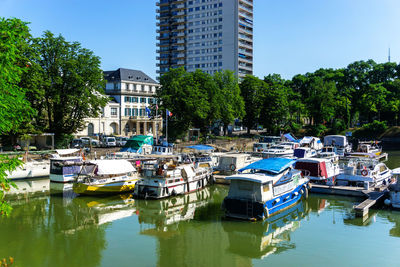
[
  {"x": 164, "y": 215},
  {"x": 260, "y": 239},
  {"x": 29, "y": 188},
  {"x": 107, "y": 209}
]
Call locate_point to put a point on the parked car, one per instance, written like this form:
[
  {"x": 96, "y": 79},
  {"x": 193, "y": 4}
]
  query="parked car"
[
  {"x": 78, "y": 143},
  {"x": 109, "y": 141},
  {"x": 92, "y": 141},
  {"x": 121, "y": 141}
]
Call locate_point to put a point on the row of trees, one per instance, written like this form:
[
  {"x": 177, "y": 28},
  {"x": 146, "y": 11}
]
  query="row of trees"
[
  {"x": 325, "y": 100},
  {"x": 198, "y": 99},
  {"x": 46, "y": 85}
]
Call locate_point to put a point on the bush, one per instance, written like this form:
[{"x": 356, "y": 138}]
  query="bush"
[
  {"x": 63, "y": 140},
  {"x": 371, "y": 130},
  {"x": 316, "y": 130}
]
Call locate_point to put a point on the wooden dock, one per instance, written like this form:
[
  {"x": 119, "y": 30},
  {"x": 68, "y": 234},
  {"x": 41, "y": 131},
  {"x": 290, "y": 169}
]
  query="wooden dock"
[{"x": 372, "y": 196}]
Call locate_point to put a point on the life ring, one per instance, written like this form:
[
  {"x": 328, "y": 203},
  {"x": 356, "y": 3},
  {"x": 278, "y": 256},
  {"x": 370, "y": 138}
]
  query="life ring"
[
  {"x": 364, "y": 172},
  {"x": 232, "y": 167}
]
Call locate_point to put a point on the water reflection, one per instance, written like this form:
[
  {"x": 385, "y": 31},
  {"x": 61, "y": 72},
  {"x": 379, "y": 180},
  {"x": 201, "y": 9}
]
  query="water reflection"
[{"x": 260, "y": 239}]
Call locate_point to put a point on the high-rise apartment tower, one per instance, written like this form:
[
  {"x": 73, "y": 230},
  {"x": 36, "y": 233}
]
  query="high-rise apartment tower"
[{"x": 211, "y": 35}]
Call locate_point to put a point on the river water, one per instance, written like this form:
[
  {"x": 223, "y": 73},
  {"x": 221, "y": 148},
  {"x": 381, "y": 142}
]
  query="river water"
[{"x": 50, "y": 226}]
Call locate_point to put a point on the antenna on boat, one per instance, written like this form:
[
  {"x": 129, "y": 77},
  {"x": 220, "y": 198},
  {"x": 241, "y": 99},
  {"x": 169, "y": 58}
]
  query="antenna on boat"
[{"x": 389, "y": 55}]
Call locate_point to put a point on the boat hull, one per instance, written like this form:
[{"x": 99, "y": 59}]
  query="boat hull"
[
  {"x": 62, "y": 178},
  {"x": 29, "y": 172},
  {"x": 105, "y": 188},
  {"x": 163, "y": 191},
  {"x": 251, "y": 210}
]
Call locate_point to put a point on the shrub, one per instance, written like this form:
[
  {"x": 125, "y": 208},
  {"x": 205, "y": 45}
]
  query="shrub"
[{"x": 371, "y": 130}]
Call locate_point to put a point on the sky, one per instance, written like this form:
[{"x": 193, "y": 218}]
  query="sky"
[{"x": 290, "y": 36}]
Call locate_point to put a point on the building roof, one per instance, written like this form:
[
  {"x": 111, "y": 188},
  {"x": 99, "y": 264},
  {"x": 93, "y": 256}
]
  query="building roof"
[{"x": 127, "y": 75}]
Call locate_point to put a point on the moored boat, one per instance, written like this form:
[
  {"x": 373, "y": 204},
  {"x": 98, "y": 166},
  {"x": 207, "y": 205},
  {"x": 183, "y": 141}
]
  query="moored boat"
[
  {"x": 162, "y": 179},
  {"x": 364, "y": 172},
  {"x": 270, "y": 186},
  {"x": 106, "y": 177},
  {"x": 319, "y": 170},
  {"x": 278, "y": 151},
  {"x": 339, "y": 142},
  {"x": 304, "y": 152},
  {"x": 394, "y": 191}
]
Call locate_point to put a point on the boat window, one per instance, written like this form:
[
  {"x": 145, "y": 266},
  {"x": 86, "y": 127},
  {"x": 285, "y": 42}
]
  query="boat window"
[
  {"x": 266, "y": 187},
  {"x": 382, "y": 168},
  {"x": 245, "y": 186}
]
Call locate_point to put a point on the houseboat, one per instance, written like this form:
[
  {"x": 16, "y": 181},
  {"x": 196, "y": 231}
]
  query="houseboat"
[
  {"x": 311, "y": 142},
  {"x": 304, "y": 152},
  {"x": 319, "y": 170},
  {"x": 162, "y": 179},
  {"x": 65, "y": 169},
  {"x": 164, "y": 148},
  {"x": 106, "y": 177},
  {"x": 339, "y": 142},
  {"x": 278, "y": 151},
  {"x": 364, "y": 172},
  {"x": 230, "y": 163},
  {"x": 268, "y": 186}
]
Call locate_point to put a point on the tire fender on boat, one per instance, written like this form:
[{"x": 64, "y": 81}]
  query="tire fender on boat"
[
  {"x": 232, "y": 167},
  {"x": 266, "y": 212}
]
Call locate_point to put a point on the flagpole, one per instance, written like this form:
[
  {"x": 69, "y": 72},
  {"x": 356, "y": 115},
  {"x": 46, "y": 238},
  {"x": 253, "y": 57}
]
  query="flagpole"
[
  {"x": 156, "y": 124},
  {"x": 166, "y": 125}
]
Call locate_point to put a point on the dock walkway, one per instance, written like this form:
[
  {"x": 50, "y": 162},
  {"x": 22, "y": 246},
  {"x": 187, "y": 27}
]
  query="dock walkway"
[{"x": 362, "y": 209}]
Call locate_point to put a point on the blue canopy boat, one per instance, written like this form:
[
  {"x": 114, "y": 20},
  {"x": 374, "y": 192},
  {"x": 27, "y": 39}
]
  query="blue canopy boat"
[{"x": 264, "y": 188}]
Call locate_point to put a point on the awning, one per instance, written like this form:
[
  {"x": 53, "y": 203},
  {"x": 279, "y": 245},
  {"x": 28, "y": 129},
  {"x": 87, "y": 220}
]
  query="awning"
[
  {"x": 63, "y": 152},
  {"x": 289, "y": 137},
  {"x": 201, "y": 147},
  {"x": 274, "y": 165}
]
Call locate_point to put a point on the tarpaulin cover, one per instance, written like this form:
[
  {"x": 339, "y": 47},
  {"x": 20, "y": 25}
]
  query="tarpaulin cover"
[
  {"x": 316, "y": 169},
  {"x": 201, "y": 147},
  {"x": 114, "y": 166},
  {"x": 290, "y": 137},
  {"x": 274, "y": 165},
  {"x": 135, "y": 143}
]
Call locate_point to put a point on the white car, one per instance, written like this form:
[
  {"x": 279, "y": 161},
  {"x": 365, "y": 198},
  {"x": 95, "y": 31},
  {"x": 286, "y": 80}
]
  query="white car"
[
  {"x": 121, "y": 141},
  {"x": 110, "y": 142}
]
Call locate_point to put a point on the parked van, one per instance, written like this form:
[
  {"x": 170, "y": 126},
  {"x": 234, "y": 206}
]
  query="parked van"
[{"x": 110, "y": 141}]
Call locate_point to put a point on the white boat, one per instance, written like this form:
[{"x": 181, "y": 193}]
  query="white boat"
[
  {"x": 66, "y": 169},
  {"x": 319, "y": 170},
  {"x": 106, "y": 177},
  {"x": 304, "y": 152},
  {"x": 163, "y": 179},
  {"x": 369, "y": 148},
  {"x": 394, "y": 190},
  {"x": 266, "y": 142},
  {"x": 364, "y": 172},
  {"x": 31, "y": 169},
  {"x": 278, "y": 151},
  {"x": 339, "y": 142},
  {"x": 231, "y": 162},
  {"x": 38, "y": 168},
  {"x": 329, "y": 152},
  {"x": 163, "y": 149},
  {"x": 311, "y": 142},
  {"x": 270, "y": 186}
]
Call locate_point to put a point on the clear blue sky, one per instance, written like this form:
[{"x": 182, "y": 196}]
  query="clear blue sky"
[{"x": 290, "y": 36}]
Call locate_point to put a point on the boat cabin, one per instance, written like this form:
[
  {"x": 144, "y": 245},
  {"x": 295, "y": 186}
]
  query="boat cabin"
[{"x": 304, "y": 152}]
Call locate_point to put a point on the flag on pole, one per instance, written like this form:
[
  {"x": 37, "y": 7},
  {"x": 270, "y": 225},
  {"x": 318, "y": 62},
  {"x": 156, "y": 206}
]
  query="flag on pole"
[
  {"x": 148, "y": 111},
  {"x": 156, "y": 106},
  {"x": 169, "y": 113}
]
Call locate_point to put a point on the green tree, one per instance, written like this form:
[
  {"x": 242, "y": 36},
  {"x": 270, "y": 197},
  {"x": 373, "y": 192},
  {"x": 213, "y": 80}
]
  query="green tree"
[
  {"x": 228, "y": 99},
  {"x": 252, "y": 90},
  {"x": 14, "y": 109},
  {"x": 67, "y": 85},
  {"x": 186, "y": 96}
]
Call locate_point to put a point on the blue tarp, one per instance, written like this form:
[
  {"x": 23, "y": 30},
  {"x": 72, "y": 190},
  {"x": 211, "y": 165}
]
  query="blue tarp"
[
  {"x": 274, "y": 165},
  {"x": 201, "y": 147},
  {"x": 290, "y": 137}
]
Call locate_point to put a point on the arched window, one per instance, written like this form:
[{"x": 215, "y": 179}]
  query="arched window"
[
  {"x": 90, "y": 129},
  {"x": 114, "y": 128}
]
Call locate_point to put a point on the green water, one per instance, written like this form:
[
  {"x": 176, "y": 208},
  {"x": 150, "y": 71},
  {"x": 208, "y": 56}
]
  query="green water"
[{"x": 49, "y": 227}]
